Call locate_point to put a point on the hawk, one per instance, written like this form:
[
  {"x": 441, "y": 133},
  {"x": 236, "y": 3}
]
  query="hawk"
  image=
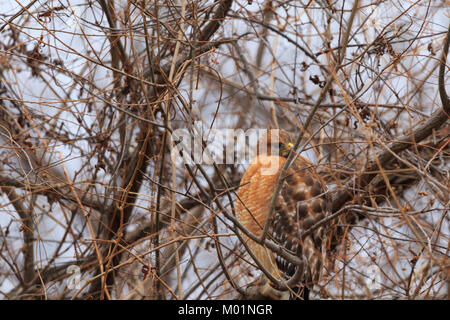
[{"x": 302, "y": 202}]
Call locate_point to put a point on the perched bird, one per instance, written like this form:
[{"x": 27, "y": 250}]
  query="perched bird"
[{"x": 301, "y": 203}]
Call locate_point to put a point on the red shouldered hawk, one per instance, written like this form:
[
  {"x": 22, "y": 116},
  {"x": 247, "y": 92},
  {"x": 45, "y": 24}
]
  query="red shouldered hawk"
[{"x": 301, "y": 203}]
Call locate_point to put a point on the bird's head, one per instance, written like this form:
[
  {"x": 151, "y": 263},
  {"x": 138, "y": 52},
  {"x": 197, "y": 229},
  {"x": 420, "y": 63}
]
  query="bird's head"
[{"x": 277, "y": 142}]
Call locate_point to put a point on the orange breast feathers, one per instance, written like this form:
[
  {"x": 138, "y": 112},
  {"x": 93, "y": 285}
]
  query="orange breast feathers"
[
  {"x": 256, "y": 192},
  {"x": 302, "y": 202}
]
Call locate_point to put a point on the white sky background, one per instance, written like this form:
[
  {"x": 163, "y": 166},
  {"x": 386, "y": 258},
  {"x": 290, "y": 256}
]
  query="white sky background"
[{"x": 68, "y": 45}]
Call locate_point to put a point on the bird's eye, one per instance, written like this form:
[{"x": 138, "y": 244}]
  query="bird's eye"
[{"x": 284, "y": 149}]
